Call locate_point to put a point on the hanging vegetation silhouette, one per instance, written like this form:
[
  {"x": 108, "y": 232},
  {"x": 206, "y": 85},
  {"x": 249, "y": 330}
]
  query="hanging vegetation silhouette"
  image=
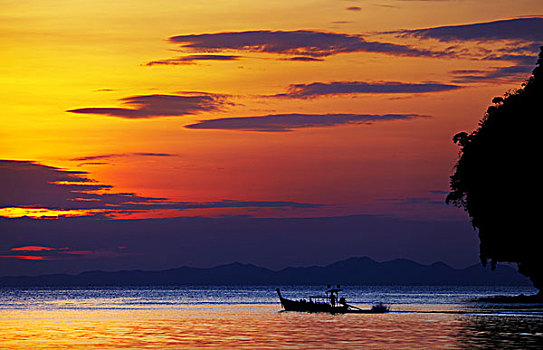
[{"x": 498, "y": 178}]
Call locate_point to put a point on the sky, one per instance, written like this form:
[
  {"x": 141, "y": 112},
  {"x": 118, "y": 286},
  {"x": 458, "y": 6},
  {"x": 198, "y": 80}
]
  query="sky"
[{"x": 150, "y": 135}]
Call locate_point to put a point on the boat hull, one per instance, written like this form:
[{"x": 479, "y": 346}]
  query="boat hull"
[
  {"x": 306, "y": 306},
  {"x": 309, "y": 306}
]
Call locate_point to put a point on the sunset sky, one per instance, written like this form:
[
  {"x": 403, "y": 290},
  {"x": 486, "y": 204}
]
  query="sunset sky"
[{"x": 140, "y": 134}]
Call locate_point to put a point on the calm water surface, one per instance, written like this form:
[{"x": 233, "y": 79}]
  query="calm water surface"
[{"x": 250, "y": 318}]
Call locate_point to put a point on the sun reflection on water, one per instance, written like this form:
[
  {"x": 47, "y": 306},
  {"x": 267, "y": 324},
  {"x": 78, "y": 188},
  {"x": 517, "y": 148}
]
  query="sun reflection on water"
[
  {"x": 166, "y": 318},
  {"x": 239, "y": 327}
]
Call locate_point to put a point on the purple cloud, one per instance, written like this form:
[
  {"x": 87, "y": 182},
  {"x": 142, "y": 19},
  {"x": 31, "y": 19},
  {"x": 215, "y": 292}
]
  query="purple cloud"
[
  {"x": 289, "y": 122},
  {"x": 514, "y": 40},
  {"x": 302, "y": 59},
  {"x": 26, "y": 184},
  {"x": 524, "y": 29},
  {"x": 354, "y": 8},
  {"x": 29, "y": 184},
  {"x": 154, "y": 106},
  {"x": 318, "y": 89},
  {"x": 305, "y": 43},
  {"x": 192, "y": 59},
  {"x": 120, "y": 155},
  {"x": 496, "y": 75},
  {"x": 520, "y": 70}
]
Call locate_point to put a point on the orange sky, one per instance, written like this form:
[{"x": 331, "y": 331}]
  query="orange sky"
[{"x": 71, "y": 55}]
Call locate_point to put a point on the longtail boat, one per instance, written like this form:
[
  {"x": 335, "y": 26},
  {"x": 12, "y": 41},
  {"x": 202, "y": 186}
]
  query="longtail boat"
[{"x": 330, "y": 302}]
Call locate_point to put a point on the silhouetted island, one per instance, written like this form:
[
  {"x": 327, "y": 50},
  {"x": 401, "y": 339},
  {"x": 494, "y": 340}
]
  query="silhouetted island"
[
  {"x": 353, "y": 271},
  {"x": 497, "y": 179},
  {"x": 512, "y": 299}
]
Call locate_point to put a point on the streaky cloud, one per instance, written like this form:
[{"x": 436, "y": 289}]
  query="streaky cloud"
[
  {"x": 496, "y": 75},
  {"x": 225, "y": 203},
  {"x": 120, "y": 155},
  {"x": 192, "y": 59},
  {"x": 318, "y": 89},
  {"x": 64, "y": 253},
  {"x": 289, "y": 122},
  {"x": 92, "y": 163},
  {"x": 158, "y": 105},
  {"x": 520, "y": 60},
  {"x": 524, "y": 29},
  {"x": 519, "y": 71},
  {"x": 31, "y": 185},
  {"x": 307, "y": 43},
  {"x": 303, "y": 59},
  {"x": 32, "y": 249}
]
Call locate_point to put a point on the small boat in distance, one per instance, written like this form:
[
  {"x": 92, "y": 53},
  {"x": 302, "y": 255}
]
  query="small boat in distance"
[{"x": 330, "y": 302}]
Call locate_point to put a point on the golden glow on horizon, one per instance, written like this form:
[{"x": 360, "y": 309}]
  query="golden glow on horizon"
[{"x": 44, "y": 213}]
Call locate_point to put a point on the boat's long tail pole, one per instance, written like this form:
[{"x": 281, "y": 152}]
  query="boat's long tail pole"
[
  {"x": 354, "y": 307},
  {"x": 280, "y": 298}
]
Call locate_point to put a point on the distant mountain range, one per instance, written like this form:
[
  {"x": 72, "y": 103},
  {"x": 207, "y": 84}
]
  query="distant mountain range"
[{"x": 353, "y": 271}]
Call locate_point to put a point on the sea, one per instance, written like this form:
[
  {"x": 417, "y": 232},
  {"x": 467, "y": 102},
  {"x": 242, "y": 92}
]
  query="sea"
[{"x": 250, "y": 317}]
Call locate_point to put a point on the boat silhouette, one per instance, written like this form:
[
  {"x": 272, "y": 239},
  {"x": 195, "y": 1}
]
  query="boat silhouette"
[{"x": 329, "y": 302}]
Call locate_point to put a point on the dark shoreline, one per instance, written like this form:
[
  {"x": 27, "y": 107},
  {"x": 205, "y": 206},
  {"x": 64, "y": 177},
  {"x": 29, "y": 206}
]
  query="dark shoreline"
[{"x": 515, "y": 299}]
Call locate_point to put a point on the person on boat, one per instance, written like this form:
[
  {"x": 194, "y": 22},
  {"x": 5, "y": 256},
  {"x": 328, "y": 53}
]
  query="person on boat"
[{"x": 332, "y": 299}]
